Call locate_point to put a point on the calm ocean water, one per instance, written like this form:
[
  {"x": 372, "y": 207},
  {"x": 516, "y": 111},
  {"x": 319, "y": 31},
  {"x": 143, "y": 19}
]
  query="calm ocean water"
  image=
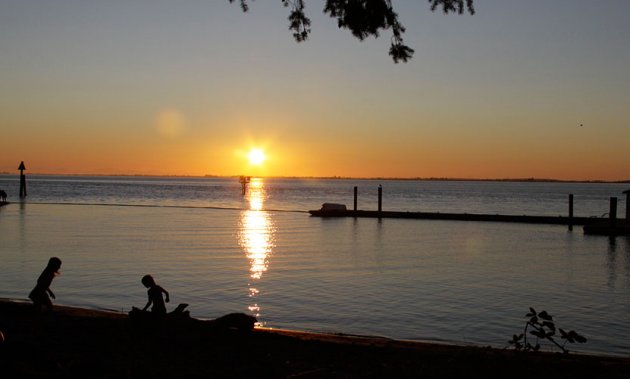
[{"x": 222, "y": 252}]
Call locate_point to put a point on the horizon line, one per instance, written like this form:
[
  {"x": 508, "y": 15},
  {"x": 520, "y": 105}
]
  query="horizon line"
[{"x": 336, "y": 177}]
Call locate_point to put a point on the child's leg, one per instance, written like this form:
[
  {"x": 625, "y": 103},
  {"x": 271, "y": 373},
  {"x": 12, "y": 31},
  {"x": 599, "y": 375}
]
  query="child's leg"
[
  {"x": 47, "y": 303},
  {"x": 41, "y": 301}
]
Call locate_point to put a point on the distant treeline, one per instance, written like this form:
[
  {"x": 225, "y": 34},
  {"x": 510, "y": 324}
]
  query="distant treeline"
[
  {"x": 442, "y": 179},
  {"x": 541, "y": 180}
]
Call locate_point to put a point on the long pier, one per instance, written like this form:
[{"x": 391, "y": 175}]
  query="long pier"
[
  {"x": 557, "y": 220},
  {"x": 592, "y": 225}
]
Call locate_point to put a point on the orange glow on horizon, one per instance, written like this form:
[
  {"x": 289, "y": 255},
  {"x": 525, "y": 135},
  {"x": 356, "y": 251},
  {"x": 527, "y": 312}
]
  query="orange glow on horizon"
[{"x": 315, "y": 155}]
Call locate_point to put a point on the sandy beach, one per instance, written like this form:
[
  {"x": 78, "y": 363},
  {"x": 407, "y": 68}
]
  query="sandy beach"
[{"x": 75, "y": 342}]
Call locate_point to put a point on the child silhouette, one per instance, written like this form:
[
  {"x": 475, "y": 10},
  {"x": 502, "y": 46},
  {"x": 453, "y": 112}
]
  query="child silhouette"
[
  {"x": 40, "y": 293},
  {"x": 155, "y": 296}
]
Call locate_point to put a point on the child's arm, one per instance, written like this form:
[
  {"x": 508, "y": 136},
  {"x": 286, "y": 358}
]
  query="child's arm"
[
  {"x": 148, "y": 304},
  {"x": 50, "y": 293},
  {"x": 165, "y": 293}
]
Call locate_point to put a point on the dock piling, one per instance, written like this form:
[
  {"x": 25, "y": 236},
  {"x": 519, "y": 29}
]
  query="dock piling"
[
  {"x": 380, "y": 198},
  {"x": 356, "y": 192},
  {"x": 244, "y": 180},
  {"x": 22, "y": 180},
  {"x": 613, "y": 211},
  {"x": 627, "y": 193},
  {"x": 570, "y": 212}
]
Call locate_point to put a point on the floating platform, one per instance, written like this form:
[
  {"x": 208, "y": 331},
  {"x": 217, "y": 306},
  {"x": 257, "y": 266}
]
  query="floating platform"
[
  {"x": 608, "y": 228},
  {"x": 556, "y": 220}
]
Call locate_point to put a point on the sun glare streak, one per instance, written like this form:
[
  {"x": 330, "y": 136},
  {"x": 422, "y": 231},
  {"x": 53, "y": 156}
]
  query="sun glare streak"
[
  {"x": 256, "y": 237},
  {"x": 255, "y": 194}
]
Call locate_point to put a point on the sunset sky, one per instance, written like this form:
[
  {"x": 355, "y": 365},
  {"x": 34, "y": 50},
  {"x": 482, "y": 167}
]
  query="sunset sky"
[{"x": 521, "y": 89}]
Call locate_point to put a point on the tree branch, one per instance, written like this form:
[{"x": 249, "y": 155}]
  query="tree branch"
[{"x": 364, "y": 18}]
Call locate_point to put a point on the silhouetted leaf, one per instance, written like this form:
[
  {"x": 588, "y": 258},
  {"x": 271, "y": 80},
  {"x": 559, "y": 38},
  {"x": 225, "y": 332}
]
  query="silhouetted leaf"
[
  {"x": 573, "y": 335},
  {"x": 244, "y": 5},
  {"x": 545, "y": 316},
  {"x": 300, "y": 24},
  {"x": 549, "y": 324},
  {"x": 529, "y": 346},
  {"x": 580, "y": 339},
  {"x": 532, "y": 312},
  {"x": 400, "y": 52},
  {"x": 537, "y": 333},
  {"x": 515, "y": 342},
  {"x": 453, "y": 5}
]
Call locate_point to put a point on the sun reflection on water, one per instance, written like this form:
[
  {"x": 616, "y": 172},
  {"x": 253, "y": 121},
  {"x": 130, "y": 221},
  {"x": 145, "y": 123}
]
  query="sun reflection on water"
[{"x": 256, "y": 237}]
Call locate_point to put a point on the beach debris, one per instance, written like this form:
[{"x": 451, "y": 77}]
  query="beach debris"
[
  {"x": 144, "y": 315},
  {"x": 233, "y": 321},
  {"x": 236, "y": 321}
]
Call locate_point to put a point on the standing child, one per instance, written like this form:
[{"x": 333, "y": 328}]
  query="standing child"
[
  {"x": 155, "y": 296},
  {"x": 40, "y": 293}
]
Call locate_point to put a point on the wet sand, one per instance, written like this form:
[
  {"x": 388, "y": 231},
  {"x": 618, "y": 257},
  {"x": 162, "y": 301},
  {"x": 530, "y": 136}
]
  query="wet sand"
[{"x": 74, "y": 342}]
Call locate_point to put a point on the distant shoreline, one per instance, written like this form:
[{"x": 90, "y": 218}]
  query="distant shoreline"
[{"x": 419, "y": 179}]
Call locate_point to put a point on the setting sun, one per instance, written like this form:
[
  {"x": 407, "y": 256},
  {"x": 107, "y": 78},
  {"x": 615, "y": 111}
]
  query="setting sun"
[{"x": 256, "y": 157}]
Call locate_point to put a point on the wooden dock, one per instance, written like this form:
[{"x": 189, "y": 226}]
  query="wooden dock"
[
  {"x": 610, "y": 226},
  {"x": 556, "y": 220}
]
